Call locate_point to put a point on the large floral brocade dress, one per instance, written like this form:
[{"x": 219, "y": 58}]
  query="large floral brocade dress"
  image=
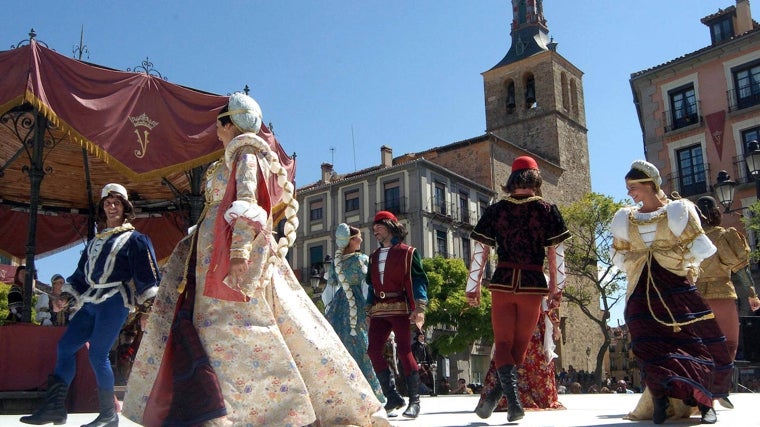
[{"x": 277, "y": 360}]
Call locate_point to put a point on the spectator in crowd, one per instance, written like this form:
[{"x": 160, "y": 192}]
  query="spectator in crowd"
[
  {"x": 54, "y": 309},
  {"x": 461, "y": 387},
  {"x": 16, "y": 295}
]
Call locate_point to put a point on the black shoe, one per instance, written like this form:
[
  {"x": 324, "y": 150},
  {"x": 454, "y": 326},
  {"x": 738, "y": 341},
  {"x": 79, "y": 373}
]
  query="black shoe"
[
  {"x": 394, "y": 402},
  {"x": 724, "y": 402},
  {"x": 660, "y": 413},
  {"x": 107, "y": 416},
  {"x": 54, "y": 408},
  {"x": 488, "y": 403},
  {"x": 413, "y": 390},
  {"x": 508, "y": 379}
]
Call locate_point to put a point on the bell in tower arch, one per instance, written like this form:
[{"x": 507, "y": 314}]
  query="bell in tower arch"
[{"x": 530, "y": 92}]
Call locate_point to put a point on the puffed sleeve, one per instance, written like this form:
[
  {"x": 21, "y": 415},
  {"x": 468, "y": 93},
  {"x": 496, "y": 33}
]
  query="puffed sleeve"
[
  {"x": 736, "y": 253},
  {"x": 620, "y": 239},
  {"x": 683, "y": 221},
  {"x": 332, "y": 285},
  {"x": 246, "y": 176}
]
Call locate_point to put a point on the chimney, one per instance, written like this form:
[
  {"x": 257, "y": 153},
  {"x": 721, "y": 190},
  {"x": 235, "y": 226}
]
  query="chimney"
[
  {"x": 327, "y": 172},
  {"x": 743, "y": 17},
  {"x": 386, "y": 156}
]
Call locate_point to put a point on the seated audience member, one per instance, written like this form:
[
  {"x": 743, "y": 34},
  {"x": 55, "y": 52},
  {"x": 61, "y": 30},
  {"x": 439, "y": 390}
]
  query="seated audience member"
[
  {"x": 16, "y": 295},
  {"x": 461, "y": 387},
  {"x": 53, "y": 308}
]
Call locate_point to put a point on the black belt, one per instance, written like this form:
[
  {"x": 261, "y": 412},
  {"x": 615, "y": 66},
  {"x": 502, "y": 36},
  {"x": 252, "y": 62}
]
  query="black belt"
[{"x": 384, "y": 295}]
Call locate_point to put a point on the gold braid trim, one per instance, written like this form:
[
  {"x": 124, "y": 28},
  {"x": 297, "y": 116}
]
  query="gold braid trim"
[
  {"x": 675, "y": 325},
  {"x": 120, "y": 229},
  {"x": 654, "y": 218},
  {"x": 521, "y": 201}
]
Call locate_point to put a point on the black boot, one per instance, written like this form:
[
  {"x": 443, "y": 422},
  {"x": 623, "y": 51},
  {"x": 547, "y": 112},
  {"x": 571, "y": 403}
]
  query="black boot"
[
  {"x": 660, "y": 413},
  {"x": 413, "y": 390},
  {"x": 508, "y": 379},
  {"x": 708, "y": 414},
  {"x": 393, "y": 400},
  {"x": 54, "y": 408},
  {"x": 108, "y": 416},
  {"x": 488, "y": 403}
]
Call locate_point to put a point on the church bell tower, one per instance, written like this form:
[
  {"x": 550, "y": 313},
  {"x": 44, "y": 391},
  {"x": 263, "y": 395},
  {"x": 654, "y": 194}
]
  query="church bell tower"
[{"x": 534, "y": 99}]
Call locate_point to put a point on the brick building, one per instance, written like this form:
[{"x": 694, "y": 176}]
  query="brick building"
[{"x": 534, "y": 106}]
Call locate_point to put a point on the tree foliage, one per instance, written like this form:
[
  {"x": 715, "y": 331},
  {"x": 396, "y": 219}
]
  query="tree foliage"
[
  {"x": 448, "y": 307},
  {"x": 588, "y": 265},
  {"x": 752, "y": 223}
]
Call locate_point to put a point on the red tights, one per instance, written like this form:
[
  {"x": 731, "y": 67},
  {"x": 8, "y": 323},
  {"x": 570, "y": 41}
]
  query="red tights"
[{"x": 514, "y": 318}]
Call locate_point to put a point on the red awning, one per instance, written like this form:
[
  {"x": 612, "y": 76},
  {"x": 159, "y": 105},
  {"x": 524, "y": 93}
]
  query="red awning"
[{"x": 132, "y": 128}]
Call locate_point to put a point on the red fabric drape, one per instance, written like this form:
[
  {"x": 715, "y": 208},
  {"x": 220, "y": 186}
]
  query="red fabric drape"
[{"x": 141, "y": 125}]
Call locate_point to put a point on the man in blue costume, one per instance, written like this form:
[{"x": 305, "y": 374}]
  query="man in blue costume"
[{"x": 116, "y": 274}]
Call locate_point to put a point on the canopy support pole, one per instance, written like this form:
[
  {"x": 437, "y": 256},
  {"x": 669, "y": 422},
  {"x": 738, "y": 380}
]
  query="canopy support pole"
[{"x": 36, "y": 174}]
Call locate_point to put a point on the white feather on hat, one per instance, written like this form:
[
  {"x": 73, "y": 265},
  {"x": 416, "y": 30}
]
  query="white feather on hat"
[{"x": 244, "y": 112}]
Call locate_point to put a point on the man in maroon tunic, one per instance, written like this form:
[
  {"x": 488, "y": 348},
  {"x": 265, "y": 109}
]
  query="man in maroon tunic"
[{"x": 397, "y": 297}]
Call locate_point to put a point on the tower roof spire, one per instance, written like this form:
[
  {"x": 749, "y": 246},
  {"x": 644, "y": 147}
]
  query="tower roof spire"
[{"x": 530, "y": 34}]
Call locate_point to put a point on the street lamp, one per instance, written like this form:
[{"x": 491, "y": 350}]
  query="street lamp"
[
  {"x": 315, "y": 279},
  {"x": 724, "y": 190}
]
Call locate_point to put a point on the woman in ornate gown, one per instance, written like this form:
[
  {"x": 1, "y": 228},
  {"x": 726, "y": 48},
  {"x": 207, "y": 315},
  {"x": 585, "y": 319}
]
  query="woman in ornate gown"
[
  {"x": 677, "y": 342},
  {"x": 232, "y": 331},
  {"x": 345, "y": 299}
]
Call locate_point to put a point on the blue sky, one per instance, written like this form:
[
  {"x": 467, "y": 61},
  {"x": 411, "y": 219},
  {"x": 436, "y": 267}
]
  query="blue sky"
[{"x": 338, "y": 79}]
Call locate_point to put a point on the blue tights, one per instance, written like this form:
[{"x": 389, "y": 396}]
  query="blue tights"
[{"x": 98, "y": 324}]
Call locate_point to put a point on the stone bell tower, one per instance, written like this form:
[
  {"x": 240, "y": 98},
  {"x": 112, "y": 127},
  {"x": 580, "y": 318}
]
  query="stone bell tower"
[{"x": 534, "y": 99}]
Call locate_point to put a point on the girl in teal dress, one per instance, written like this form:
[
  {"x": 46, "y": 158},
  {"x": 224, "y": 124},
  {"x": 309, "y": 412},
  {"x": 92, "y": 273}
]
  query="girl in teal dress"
[{"x": 345, "y": 297}]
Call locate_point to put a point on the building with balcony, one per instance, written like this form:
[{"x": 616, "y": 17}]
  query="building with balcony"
[
  {"x": 438, "y": 207},
  {"x": 700, "y": 112},
  {"x": 534, "y": 106}
]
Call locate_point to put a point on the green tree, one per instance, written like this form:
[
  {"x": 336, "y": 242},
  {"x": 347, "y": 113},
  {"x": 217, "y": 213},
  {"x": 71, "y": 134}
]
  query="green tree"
[
  {"x": 588, "y": 263},
  {"x": 448, "y": 307},
  {"x": 752, "y": 223}
]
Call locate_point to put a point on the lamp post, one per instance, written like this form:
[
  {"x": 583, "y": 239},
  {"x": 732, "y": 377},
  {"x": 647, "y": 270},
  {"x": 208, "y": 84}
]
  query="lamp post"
[
  {"x": 753, "y": 164},
  {"x": 724, "y": 190},
  {"x": 314, "y": 280},
  {"x": 725, "y": 186}
]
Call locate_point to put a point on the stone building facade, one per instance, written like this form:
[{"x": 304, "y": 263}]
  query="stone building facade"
[{"x": 534, "y": 106}]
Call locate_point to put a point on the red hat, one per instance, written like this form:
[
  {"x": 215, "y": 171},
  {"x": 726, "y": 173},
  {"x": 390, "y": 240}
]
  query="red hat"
[
  {"x": 524, "y": 162},
  {"x": 385, "y": 215}
]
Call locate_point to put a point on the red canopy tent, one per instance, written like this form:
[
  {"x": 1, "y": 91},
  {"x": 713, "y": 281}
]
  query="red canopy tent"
[{"x": 68, "y": 127}]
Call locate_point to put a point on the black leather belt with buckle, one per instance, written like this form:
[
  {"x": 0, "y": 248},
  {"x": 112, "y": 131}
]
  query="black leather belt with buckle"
[{"x": 384, "y": 295}]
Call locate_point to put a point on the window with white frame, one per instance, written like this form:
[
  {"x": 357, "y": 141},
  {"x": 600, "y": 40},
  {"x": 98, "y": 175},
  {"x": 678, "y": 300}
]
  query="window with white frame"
[
  {"x": 351, "y": 200},
  {"x": 747, "y": 85},
  {"x": 683, "y": 106},
  {"x": 392, "y": 196},
  {"x": 439, "y": 200},
  {"x": 315, "y": 210},
  {"x": 722, "y": 29},
  {"x": 441, "y": 246},
  {"x": 691, "y": 171}
]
